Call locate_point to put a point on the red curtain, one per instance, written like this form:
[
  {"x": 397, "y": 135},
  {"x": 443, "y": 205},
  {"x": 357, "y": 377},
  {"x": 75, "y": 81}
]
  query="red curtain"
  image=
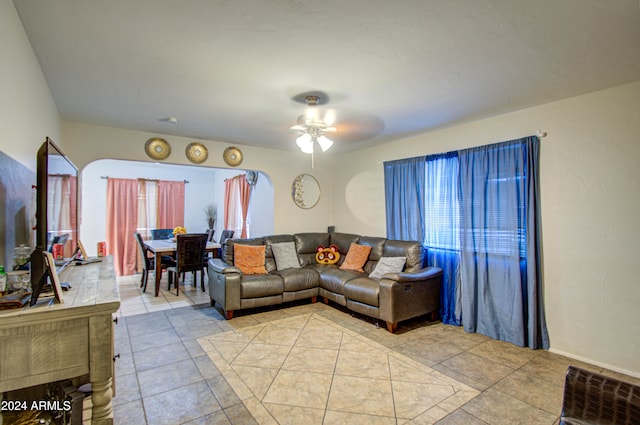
[
  {"x": 170, "y": 204},
  {"x": 122, "y": 212}
]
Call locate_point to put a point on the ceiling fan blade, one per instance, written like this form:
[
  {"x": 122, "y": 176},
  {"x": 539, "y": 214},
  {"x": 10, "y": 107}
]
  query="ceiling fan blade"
[
  {"x": 297, "y": 127},
  {"x": 338, "y": 125},
  {"x": 357, "y": 127}
]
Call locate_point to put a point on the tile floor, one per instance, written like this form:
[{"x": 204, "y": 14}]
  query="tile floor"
[
  {"x": 178, "y": 365},
  {"x": 305, "y": 369}
]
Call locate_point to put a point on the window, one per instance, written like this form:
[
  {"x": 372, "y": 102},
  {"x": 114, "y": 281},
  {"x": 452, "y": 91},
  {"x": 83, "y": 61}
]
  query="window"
[
  {"x": 147, "y": 207},
  {"x": 442, "y": 209},
  {"x": 492, "y": 196}
]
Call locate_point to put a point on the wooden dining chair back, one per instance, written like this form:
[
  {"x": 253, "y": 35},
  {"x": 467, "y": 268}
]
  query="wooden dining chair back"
[{"x": 190, "y": 250}]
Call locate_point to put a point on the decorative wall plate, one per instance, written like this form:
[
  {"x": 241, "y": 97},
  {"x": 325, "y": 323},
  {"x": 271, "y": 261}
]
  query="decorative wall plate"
[
  {"x": 232, "y": 156},
  {"x": 157, "y": 148},
  {"x": 197, "y": 152}
]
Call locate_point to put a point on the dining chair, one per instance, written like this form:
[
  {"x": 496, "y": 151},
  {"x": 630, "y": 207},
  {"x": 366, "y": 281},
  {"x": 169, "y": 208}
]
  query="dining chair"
[
  {"x": 161, "y": 233},
  {"x": 61, "y": 239},
  {"x": 190, "y": 250},
  {"x": 207, "y": 255},
  {"x": 148, "y": 262},
  {"x": 226, "y": 234}
]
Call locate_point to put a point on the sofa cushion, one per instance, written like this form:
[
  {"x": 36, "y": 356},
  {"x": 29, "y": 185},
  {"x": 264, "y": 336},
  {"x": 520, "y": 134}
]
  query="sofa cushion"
[
  {"x": 258, "y": 286},
  {"x": 333, "y": 279},
  {"x": 363, "y": 289},
  {"x": 388, "y": 265},
  {"x": 306, "y": 244},
  {"x": 269, "y": 258},
  {"x": 227, "y": 251},
  {"x": 356, "y": 257},
  {"x": 377, "y": 246},
  {"x": 299, "y": 279},
  {"x": 285, "y": 255},
  {"x": 249, "y": 259},
  {"x": 343, "y": 241},
  {"x": 412, "y": 251}
]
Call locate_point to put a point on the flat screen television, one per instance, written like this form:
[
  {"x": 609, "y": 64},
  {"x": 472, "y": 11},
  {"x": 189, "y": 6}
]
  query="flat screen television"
[{"x": 56, "y": 212}]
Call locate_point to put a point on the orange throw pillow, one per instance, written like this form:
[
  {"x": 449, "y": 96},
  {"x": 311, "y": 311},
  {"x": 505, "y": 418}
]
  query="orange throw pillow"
[
  {"x": 356, "y": 257},
  {"x": 249, "y": 259}
]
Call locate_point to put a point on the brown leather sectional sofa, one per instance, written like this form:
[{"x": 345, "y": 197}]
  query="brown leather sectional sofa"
[{"x": 393, "y": 298}]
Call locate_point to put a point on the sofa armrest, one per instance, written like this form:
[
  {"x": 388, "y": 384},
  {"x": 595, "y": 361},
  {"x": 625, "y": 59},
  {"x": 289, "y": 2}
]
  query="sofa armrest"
[
  {"x": 219, "y": 266},
  {"x": 407, "y": 295},
  {"x": 224, "y": 285},
  {"x": 422, "y": 274}
]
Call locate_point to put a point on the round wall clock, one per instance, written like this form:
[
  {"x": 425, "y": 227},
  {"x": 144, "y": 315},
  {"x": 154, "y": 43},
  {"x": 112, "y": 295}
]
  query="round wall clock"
[
  {"x": 157, "y": 148},
  {"x": 232, "y": 156},
  {"x": 197, "y": 153}
]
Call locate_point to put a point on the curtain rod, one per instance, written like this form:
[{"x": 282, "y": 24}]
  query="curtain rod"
[
  {"x": 539, "y": 134},
  {"x": 235, "y": 177},
  {"x": 148, "y": 180}
]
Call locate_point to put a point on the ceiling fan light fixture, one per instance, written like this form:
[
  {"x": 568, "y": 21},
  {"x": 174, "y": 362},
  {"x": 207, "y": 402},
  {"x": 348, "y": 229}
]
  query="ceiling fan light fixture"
[
  {"x": 325, "y": 143},
  {"x": 312, "y": 128},
  {"x": 305, "y": 143}
]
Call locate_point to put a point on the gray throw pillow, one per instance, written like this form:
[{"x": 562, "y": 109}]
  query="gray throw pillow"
[
  {"x": 285, "y": 255},
  {"x": 388, "y": 265}
]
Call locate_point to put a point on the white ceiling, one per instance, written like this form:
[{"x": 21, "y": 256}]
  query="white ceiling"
[{"x": 233, "y": 70}]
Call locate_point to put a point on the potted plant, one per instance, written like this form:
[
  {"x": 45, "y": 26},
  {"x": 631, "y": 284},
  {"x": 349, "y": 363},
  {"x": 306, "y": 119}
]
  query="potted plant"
[{"x": 211, "y": 212}]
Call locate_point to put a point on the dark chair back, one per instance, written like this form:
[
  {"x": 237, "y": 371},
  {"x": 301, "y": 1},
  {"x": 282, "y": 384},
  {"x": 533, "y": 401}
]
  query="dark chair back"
[
  {"x": 226, "y": 234},
  {"x": 147, "y": 263},
  {"x": 142, "y": 250},
  {"x": 210, "y": 233},
  {"x": 61, "y": 239},
  {"x": 161, "y": 233},
  {"x": 190, "y": 251}
]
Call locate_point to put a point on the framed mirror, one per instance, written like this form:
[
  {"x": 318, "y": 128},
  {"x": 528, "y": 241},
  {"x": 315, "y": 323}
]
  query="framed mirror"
[{"x": 305, "y": 191}]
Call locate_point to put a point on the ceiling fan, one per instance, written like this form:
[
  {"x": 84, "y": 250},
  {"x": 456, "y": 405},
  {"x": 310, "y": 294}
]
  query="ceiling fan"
[{"x": 313, "y": 126}]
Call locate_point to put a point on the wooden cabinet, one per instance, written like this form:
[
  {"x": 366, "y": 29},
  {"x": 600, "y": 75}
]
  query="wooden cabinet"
[{"x": 51, "y": 342}]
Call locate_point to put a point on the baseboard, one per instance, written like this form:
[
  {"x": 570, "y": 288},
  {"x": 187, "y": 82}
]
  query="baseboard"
[{"x": 599, "y": 364}]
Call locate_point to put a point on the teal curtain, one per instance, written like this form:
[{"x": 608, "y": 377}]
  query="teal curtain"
[
  {"x": 404, "y": 198},
  {"x": 500, "y": 243}
]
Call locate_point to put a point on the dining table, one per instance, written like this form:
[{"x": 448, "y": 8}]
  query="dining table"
[{"x": 160, "y": 247}]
